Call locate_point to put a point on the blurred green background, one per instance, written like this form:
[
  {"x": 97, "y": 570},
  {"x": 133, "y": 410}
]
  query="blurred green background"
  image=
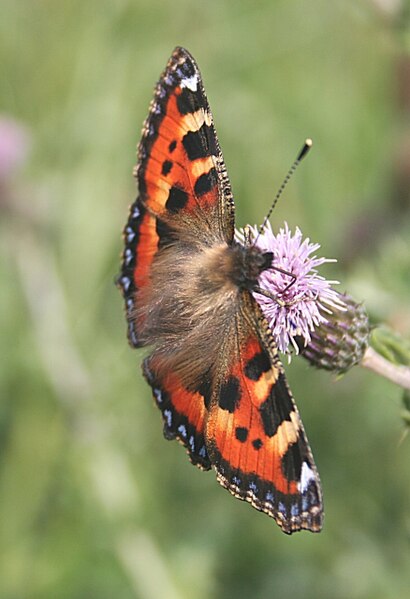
[{"x": 93, "y": 502}]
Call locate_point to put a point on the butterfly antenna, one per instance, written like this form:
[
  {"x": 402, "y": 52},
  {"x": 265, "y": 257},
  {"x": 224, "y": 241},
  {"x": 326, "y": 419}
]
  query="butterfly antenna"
[{"x": 306, "y": 147}]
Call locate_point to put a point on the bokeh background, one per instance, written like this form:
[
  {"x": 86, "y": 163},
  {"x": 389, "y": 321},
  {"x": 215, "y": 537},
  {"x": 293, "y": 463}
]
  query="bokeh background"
[{"x": 93, "y": 502}]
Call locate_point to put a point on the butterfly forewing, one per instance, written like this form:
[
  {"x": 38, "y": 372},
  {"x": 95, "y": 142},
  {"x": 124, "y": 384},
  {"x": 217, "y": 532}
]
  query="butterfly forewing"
[{"x": 180, "y": 172}]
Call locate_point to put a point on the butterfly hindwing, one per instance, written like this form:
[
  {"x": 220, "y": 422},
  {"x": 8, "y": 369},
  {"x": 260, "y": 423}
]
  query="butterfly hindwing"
[
  {"x": 184, "y": 411},
  {"x": 255, "y": 437},
  {"x": 180, "y": 172}
]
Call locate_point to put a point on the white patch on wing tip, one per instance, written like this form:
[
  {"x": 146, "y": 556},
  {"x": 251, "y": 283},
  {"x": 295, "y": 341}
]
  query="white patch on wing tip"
[
  {"x": 190, "y": 82},
  {"x": 307, "y": 475}
]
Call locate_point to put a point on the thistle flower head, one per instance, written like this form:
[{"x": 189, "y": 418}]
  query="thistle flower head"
[
  {"x": 300, "y": 299},
  {"x": 341, "y": 341}
]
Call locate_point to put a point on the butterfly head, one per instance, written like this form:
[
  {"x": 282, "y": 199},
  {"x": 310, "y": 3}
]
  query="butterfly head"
[{"x": 247, "y": 265}]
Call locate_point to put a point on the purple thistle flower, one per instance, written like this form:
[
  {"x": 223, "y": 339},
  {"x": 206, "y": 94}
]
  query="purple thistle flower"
[{"x": 302, "y": 303}]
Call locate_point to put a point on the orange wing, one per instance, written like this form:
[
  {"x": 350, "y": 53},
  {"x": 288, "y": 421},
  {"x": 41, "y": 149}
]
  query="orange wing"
[
  {"x": 254, "y": 434},
  {"x": 184, "y": 411},
  {"x": 180, "y": 171}
]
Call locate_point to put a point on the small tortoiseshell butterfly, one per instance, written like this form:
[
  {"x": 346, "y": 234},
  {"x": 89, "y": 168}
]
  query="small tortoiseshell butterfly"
[{"x": 214, "y": 367}]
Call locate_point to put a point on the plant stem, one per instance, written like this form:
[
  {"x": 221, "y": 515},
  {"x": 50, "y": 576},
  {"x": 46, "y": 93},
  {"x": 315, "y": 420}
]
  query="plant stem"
[{"x": 396, "y": 373}]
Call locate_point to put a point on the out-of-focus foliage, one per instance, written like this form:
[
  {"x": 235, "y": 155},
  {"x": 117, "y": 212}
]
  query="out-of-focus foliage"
[
  {"x": 94, "y": 503},
  {"x": 391, "y": 346}
]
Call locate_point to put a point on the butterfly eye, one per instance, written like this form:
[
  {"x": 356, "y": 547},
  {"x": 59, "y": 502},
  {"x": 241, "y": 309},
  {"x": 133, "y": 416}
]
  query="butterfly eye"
[{"x": 267, "y": 260}]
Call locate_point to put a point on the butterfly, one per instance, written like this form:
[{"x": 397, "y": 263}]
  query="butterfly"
[{"x": 187, "y": 283}]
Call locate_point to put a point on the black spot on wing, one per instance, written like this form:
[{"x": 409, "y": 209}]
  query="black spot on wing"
[
  {"x": 188, "y": 101},
  {"x": 257, "y": 365},
  {"x": 177, "y": 199},
  {"x": 172, "y": 146},
  {"x": 201, "y": 143},
  {"x": 277, "y": 407},
  {"x": 205, "y": 182},
  {"x": 292, "y": 463},
  {"x": 166, "y": 167},
  {"x": 205, "y": 389},
  {"x": 257, "y": 443},
  {"x": 230, "y": 394},
  {"x": 241, "y": 433}
]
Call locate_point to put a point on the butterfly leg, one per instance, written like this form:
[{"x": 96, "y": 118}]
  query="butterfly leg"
[
  {"x": 276, "y": 298},
  {"x": 268, "y": 294},
  {"x": 287, "y": 273},
  {"x": 247, "y": 236}
]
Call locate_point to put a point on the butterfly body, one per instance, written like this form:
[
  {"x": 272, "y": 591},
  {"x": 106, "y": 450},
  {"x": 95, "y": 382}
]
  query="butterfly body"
[{"x": 213, "y": 367}]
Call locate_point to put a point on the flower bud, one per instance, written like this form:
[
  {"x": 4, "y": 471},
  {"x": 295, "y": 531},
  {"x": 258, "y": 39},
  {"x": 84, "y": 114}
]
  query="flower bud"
[{"x": 340, "y": 342}]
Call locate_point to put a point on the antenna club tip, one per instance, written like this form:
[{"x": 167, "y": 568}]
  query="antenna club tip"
[{"x": 307, "y": 145}]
